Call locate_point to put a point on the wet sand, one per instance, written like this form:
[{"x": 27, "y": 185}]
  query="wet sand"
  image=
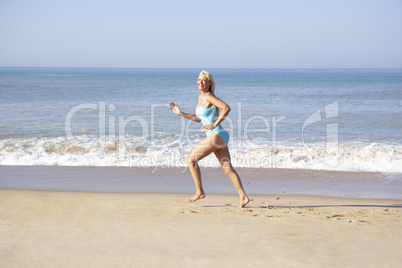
[
  {"x": 80, "y": 229},
  {"x": 368, "y": 185}
]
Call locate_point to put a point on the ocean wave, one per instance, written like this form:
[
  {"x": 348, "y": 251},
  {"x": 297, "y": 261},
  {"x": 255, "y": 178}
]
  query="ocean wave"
[{"x": 172, "y": 151}]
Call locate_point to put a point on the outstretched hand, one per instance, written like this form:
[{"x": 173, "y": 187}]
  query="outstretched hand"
[{"x": 175, "y": 108}]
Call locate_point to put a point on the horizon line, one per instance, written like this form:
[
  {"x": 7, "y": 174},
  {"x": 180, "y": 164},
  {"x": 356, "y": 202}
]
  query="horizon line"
[{"x": 202, "y": 68}]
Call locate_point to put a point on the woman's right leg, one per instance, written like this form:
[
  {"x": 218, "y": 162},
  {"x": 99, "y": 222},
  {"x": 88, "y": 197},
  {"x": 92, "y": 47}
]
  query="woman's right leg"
[{"x": 203, "y": 149}]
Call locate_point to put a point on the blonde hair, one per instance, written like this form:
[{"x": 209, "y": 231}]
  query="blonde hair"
[{"x": 211, "y": 79}]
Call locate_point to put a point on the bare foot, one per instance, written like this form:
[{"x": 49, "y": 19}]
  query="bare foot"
[
  {"x": 196, "y": 197},
  {"x": 244, "y": 201}
]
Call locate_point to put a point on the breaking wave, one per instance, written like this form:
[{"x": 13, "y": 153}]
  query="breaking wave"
[{"x": 169, "y": 150}]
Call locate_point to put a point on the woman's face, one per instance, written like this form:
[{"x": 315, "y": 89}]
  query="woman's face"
[{"x": 203, "y": 83}]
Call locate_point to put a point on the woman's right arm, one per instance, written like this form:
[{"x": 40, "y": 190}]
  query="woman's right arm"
[
  {"x": 193, "y": 117},
  {"x": 176, "y": 109}
]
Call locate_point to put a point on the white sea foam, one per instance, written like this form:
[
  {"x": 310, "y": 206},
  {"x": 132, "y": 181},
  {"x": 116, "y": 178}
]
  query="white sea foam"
[{"x": 170, "y": 151}]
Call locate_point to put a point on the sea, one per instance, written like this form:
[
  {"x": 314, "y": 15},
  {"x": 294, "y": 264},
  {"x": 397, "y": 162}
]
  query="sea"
[{"x": 311, "y": 119}]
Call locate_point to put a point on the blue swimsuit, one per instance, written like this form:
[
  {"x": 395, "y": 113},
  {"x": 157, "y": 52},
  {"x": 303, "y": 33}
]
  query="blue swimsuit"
[{"x": 209, "y": 116}]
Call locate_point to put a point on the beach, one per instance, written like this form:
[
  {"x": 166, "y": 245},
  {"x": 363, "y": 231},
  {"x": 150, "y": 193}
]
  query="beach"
[
  {"x": 320, "y": 183},
  {"x": 93, "y": 169},
  {"x": 116, "y": 217},
  {"x": 79, "y": 229}
]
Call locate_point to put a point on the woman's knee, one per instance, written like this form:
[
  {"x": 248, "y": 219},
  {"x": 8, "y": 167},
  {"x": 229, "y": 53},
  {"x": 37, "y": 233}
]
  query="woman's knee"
[
  {"x": 191, "y": 161},
  {"x": 227, "y": 167}
]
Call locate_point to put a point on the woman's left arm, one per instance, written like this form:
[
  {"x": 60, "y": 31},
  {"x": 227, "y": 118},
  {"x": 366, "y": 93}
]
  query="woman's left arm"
[{"x": 221, "y": 105}]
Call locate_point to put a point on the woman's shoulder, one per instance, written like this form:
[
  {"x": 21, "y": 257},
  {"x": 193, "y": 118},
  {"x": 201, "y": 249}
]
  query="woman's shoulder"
[{"x": 209, "y": 94}]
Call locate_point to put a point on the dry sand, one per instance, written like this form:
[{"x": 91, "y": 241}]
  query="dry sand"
[{"x": 72, "y": 229}]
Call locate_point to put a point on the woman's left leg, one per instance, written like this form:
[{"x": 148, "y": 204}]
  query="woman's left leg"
[{"x": 223, "y": 156}]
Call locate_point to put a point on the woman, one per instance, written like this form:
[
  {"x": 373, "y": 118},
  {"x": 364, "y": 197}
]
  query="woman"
[{"x": 217, "y": 138}]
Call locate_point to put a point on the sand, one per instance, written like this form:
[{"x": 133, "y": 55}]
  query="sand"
[
  {"x": 78, "y": 229},
  {"x": 339, "y": 184}
]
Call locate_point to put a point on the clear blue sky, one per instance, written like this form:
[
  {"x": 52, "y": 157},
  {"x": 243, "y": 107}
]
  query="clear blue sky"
[{"x": 201, "y": 34}]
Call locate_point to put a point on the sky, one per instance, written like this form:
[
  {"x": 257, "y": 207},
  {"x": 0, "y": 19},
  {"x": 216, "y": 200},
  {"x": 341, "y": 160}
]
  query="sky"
[{"x": 201, "y": 34}]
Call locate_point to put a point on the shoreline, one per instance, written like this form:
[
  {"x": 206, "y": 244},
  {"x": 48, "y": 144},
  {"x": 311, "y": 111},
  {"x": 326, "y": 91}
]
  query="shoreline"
[
  {"x": 289, "y": 182},
  {"x": 41, "y": 228}
]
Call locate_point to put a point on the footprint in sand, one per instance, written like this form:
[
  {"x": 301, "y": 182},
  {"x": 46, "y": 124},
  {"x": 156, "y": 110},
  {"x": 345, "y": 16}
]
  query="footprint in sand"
[
  {"x": 358, "y": 221},
  {"x": 336, "y": 216},
  {"x": 248, "y": 210},
  {"x": 274, "y": 216},
  {"x": 187, "y": 211}
]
